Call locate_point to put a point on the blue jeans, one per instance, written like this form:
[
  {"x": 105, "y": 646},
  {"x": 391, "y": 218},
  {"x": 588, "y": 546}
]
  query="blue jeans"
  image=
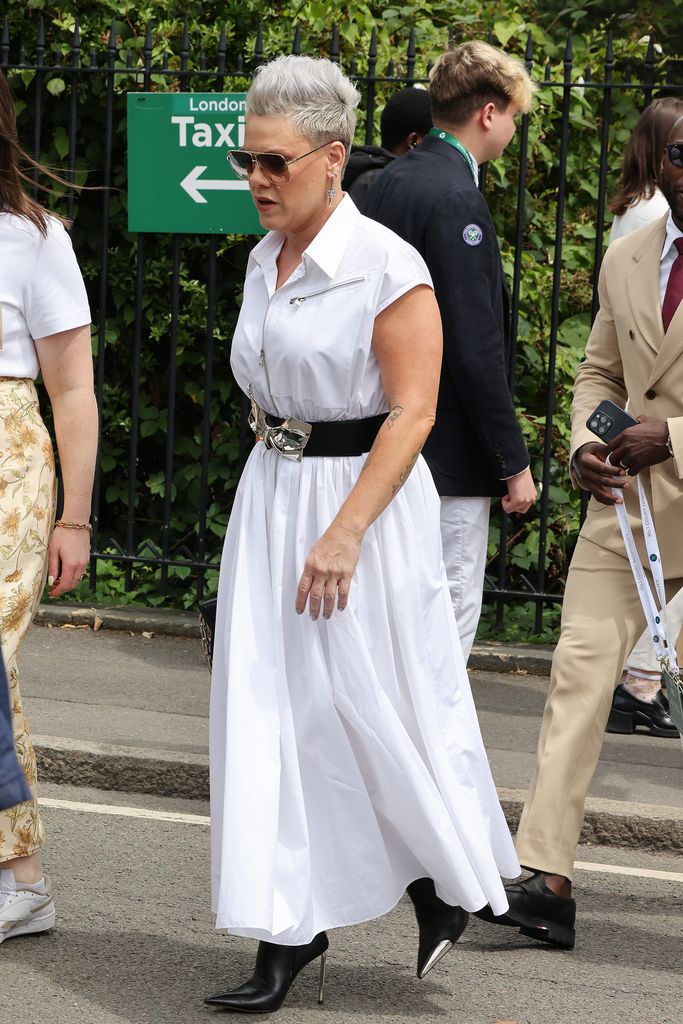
[{"x": 13, "y": 787}]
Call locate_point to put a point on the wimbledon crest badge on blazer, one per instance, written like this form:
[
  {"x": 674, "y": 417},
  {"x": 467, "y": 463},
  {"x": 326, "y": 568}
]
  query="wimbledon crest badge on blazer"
[{"x": 472, "y": 234}]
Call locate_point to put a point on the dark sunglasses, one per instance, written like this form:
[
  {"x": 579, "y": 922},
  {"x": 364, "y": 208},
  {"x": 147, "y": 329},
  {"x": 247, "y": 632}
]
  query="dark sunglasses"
[
  {"x": 274, "y": 165},
  {"x": 675, "y": 153}
]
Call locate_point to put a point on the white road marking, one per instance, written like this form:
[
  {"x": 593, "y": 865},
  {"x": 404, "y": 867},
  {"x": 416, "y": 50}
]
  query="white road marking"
[
  {"x": 617, "y": 869},
  {"x": 126, "y": 812},
  {"x": 176, "y": 817}
]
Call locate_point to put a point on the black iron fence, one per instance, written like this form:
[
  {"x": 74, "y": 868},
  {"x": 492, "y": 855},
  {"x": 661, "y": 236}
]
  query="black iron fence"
[{"x": 88, "y": 88}]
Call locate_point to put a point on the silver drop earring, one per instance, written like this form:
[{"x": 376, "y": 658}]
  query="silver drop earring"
[{"x": 331, "y": 192}]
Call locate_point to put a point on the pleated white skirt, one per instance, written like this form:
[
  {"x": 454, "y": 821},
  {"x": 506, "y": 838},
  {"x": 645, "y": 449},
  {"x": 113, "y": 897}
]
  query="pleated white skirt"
[{"x": 346, "y": 757}]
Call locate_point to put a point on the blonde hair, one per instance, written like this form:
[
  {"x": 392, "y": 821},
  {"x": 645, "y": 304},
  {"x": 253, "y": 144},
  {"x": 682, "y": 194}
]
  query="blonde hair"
[
  {"x": 463, "y": 80},
  {"x": 312, "y": 93}
]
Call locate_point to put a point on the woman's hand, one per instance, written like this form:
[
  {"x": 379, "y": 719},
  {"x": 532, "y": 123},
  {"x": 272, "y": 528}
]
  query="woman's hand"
[
  {"x": 68, "y": 556},
  {"x": 329, "y": 569}
]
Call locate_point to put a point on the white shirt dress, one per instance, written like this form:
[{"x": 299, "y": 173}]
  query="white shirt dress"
[{"x": 346, "y": 757}]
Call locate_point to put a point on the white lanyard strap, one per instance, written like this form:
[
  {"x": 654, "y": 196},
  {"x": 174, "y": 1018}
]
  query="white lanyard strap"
[{"x": 656, "y": 621}]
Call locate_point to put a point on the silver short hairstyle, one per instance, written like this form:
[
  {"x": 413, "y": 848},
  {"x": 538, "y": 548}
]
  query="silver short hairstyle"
[{"x": 312, "y": 93}]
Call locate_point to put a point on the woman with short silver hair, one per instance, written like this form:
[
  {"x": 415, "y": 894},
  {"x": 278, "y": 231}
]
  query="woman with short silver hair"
[{"x": 346, "y": 759}]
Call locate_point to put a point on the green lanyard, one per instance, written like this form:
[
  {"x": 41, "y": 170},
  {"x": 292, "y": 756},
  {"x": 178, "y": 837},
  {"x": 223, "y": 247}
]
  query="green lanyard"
[{"x": 441, "y": 133}]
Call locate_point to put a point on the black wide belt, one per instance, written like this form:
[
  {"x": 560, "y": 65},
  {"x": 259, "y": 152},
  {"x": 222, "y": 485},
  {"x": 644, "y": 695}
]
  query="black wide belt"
[{"x": 344, "y": 437}]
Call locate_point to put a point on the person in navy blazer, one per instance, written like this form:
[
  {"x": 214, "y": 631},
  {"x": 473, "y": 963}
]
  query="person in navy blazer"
[
  {"x": 13, "y": 786},
  {"x": 431, "y": 198}
]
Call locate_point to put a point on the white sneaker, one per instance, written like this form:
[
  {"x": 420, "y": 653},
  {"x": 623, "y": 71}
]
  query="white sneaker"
[{"x": 24, "y": 911}]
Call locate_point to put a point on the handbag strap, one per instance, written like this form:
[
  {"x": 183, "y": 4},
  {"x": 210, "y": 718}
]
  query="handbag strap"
[{"x": 657, "y": 623}]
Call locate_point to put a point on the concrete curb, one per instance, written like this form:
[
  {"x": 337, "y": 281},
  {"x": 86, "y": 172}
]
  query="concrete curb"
[
  {"x": 520, "y": 659},
  {"x": 125, "y": 618},
  {"x": 615, "y": 822},
  {"x": 129, "y": 770}
]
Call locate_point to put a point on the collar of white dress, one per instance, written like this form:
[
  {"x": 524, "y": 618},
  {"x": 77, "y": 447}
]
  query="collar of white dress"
[{"x": 327, "y": 248}]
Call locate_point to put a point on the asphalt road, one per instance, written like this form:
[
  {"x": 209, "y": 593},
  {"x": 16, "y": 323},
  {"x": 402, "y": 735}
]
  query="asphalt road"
[{"x": 135, "y": 940}]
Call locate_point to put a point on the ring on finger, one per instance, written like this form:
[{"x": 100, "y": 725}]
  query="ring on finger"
[{"x": 623, "y": 464}]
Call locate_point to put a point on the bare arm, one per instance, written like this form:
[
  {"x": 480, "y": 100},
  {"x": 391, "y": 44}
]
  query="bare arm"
[
  {"x": 66, "y": 365},
  {"x": 407, "y": 344}
]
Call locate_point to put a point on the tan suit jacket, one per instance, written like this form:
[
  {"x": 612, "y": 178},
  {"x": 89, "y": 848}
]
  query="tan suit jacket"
[{"x": 629, "y": 357}]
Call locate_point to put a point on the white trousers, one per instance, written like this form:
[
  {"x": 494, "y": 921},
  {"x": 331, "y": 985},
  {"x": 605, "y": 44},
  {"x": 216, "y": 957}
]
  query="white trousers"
[
  {"x": 464, "y": 536},
  {"x": 642, "y": 657}
]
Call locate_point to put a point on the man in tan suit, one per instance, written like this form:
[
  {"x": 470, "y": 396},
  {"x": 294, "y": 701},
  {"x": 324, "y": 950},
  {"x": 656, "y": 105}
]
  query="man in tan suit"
[{"x": 634, "y": 356}]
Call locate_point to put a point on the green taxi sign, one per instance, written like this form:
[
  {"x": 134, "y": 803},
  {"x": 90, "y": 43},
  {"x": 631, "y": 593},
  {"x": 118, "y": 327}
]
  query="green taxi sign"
[{"x": 179, "y": 179}]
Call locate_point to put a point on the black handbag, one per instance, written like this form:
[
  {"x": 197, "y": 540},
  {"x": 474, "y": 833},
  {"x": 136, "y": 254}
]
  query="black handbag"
[{"x": 207, "y": 626}]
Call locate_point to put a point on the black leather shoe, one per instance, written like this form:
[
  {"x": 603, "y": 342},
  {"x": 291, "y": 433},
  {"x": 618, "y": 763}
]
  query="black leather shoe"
[
  {"x": 440, "y": 925},
  {"x": 275, "y": 970},
  {"x": 537, "y": 912},
  {"x": 628, "y": 712}
]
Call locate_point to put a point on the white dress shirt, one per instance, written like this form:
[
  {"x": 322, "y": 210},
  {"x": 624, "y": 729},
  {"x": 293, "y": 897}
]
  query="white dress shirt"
[{"x": 669, "y": 255}]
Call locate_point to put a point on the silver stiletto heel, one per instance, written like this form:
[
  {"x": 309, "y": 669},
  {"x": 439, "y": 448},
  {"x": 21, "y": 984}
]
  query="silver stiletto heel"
[{"x": 321, "y": 983}]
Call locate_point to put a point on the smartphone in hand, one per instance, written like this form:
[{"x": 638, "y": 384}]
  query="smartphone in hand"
[{"x": 608, "y": 420}]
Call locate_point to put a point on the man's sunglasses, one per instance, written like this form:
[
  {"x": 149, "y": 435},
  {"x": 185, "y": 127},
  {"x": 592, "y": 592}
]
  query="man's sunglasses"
[
  {"x": 274, "y": 166},
  {"x": 675, "y": 153}
]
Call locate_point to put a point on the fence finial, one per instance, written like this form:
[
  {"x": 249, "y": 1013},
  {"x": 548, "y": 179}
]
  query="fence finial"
[
  {"x": 149, "y": 40},
  {"x": 40, "y": 41},
  {"x": 258, "y": 48},
  {"x": 334, "y": 46},
  {"x": 111, "y": 45},
  {"x": 410, "y": 56},
  {"x": 296, "y": 45}
]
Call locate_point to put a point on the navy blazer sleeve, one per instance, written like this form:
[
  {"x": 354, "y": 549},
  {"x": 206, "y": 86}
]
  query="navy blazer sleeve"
[{"x": 468, "y": 282}]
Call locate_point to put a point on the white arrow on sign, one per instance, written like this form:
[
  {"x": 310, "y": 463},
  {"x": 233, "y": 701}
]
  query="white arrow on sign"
[{"x": 194, "y": 184}]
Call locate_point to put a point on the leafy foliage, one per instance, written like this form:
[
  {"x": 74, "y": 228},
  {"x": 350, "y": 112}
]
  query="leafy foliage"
[{"x": 557, "y": 263}]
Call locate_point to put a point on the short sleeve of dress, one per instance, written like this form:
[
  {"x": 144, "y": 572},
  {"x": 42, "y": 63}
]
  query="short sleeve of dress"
[
  {"x": 55, "y": 298},
  {"x": 405, "y": 269}
]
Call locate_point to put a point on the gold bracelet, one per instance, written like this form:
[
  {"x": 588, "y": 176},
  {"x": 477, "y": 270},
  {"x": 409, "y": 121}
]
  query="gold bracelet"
[{"x": 74, "y": 526}]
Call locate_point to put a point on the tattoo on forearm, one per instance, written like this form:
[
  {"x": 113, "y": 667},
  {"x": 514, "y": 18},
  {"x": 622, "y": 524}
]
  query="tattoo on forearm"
[
  {"x": 405, "y": 474},
  {"x": 368, "y": 459},
  {"x": 393, "y": 416}
]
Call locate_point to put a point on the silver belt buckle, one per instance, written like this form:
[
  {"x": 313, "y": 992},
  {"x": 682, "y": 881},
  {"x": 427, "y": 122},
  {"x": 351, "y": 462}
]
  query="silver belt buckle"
[{"x": 289, "y": 438}]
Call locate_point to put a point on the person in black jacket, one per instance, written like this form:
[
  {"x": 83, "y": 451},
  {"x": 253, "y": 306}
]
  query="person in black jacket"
[
  {"x": 405, "y": 120},
  {"x": 431, "y": 198}
]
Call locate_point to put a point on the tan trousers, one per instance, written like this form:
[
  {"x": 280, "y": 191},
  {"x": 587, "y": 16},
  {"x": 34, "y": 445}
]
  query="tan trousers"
[
  {"x": 27, "y": 501},
  {"x": 601, "y": 619}
]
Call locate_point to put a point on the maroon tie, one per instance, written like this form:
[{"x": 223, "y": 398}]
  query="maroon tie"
[{"x": 674, "y": 289}]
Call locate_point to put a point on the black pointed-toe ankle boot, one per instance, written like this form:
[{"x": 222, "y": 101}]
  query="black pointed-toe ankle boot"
[
  {"x": 440, "y": 925},
  {"x": 275, "y": 970}
]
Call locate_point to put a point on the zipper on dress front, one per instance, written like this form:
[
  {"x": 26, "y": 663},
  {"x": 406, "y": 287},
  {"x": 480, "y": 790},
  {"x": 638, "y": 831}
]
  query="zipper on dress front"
[
  {"x": 262, "y": 355},
  {"x": 298, "y": 299}
]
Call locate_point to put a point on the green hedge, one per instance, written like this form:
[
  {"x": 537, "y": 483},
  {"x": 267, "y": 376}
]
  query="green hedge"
[{"x": 432, "y": 25}]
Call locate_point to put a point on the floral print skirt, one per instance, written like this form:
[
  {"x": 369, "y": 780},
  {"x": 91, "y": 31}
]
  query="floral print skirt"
[{"x": 27, "y": 504}]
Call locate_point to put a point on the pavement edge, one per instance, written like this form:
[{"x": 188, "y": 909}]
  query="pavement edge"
[
  {"x": 519, "y": 659},
  {"x": 127, "y": 769}
]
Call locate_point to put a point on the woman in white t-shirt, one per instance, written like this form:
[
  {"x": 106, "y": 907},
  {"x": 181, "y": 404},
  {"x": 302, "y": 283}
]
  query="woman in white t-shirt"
[
  {"x": 44, "y": 328},
  {"x": 638, "y": 200}
]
